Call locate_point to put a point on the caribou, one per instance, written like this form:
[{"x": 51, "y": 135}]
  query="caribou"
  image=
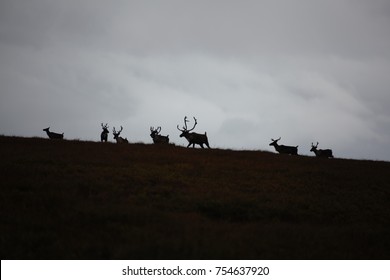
[
  {"x": 327, "y": 153},
  {"x": 119, "y": 139},
  {"x": 157, "y": 138},
  {"x": 104, "y": 134},
  {"x": 192, "y": 137},
  {"x": 53, "y": 135},
  {"x": 282, "y": 149}
]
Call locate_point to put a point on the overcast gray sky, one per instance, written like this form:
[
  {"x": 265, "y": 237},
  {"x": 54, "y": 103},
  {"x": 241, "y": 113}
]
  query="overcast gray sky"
[{"x": 303, "y": 70}]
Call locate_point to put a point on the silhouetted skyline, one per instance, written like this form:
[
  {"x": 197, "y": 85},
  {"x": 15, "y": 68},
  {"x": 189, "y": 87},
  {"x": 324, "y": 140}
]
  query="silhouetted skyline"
[{"x": 307, "y": 71}]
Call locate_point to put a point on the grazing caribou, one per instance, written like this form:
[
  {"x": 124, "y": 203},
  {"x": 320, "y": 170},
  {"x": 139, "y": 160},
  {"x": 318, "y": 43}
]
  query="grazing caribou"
[
  {"x": 53, "y": 135},
  {"x": 157, "y": 138},
  {"x": 282, "y": 149},
  {"x": 327, "y": 153},
  {"x": 104, "y": 134},
  {"x": 119, "y": 139},
  {"x": 192, "y": 137}
]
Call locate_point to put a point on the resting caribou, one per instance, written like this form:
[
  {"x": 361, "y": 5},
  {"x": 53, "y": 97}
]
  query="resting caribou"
[
  {"x": 104, "y": 134},
  {"x": 282, "y": 149},
  {"x": 53, "y": 135},
  {"x": 119, "y": 139},
  {"x": 157, "y": 138},
  {"x": 327, "y": 153},
  {"x": 192, "y": 137}
]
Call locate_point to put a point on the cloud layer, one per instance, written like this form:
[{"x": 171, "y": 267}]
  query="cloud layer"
[{"x": 305, "y": 71}]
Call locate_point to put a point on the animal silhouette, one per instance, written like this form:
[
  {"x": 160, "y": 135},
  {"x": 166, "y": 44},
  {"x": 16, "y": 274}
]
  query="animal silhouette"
[
  {"x": 192, "y": 137},
  {"x": 119, "y": 139},
  {"x": 104, "y": 134},
  {"x": 53, "y": 135},
  {"x": 282, "y": 149},
  {"x": 157, "y": 138},
  {"x": 326, "y": 153}
]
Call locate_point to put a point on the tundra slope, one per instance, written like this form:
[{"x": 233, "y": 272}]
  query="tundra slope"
[{"x": 92, "y": 200}]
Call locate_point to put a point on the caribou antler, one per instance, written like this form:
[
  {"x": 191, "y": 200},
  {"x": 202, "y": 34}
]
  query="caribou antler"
[
  {"x": 156, "y": 131},
  {"x": 185, "y": 128},
  {"x": 185, "y": 125},
  {"x": 117, "y": 132},
  {"x": 196, "y": 122}
]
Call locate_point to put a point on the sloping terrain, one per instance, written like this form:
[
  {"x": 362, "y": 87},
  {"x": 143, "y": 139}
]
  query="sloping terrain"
[{"x": 87, "y": 200}]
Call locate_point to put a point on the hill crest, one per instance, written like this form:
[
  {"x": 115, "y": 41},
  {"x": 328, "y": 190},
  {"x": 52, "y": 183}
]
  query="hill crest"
[{"x": 90, "y": 200}]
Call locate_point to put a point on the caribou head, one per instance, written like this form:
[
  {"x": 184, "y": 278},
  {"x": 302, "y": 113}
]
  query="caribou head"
[
  {"x": 327, "y": 153},
  {"x": 282, "y": 149},
  {"x": 104, "y": 134},
  {"x": 157, "y": 138},
  {"x": 192, "y": 137},
  {"x": 117, "y": 137}
]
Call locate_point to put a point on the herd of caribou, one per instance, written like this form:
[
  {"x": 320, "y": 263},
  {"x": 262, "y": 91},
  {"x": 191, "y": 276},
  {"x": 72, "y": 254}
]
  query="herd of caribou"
[{"x": 193, "y": 139}]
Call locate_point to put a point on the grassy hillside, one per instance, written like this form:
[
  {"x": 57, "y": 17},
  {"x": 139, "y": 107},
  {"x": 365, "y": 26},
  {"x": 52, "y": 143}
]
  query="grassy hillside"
[{"x": 86, "y": 200}]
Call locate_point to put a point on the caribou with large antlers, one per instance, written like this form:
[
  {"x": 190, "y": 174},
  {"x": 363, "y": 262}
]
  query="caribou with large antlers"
[
  {"x": 157, "y": 138},
  {"x": 282, "y": 149},
  {"x": 53, "y": 135},
  {"x": 327, "y": 153},
  {"x": 104, "y": 134},
  {"x": 192, "y": 137},
  {"x": 119, "y": 139}
]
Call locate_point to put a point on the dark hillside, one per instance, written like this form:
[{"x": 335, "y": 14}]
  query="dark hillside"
[{"x": 87, "y": 200}]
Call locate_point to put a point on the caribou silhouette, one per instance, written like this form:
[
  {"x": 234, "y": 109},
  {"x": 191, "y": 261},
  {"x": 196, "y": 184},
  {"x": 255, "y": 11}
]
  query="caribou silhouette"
[
  {"x": 104, "y": 134},
  {"x": 119, "y": 139},
  {"x": 192, "y": 137},
  {"x": 53, "y": 135},
  {"x": 157, "y": 138},
  {"x": 327, "y": 153},
  {"x": 282, "y": 149}
]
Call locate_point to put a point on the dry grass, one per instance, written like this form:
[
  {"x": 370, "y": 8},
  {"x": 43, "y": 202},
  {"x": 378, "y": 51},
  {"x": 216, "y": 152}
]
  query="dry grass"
[{"x": 86, "y": 200}]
